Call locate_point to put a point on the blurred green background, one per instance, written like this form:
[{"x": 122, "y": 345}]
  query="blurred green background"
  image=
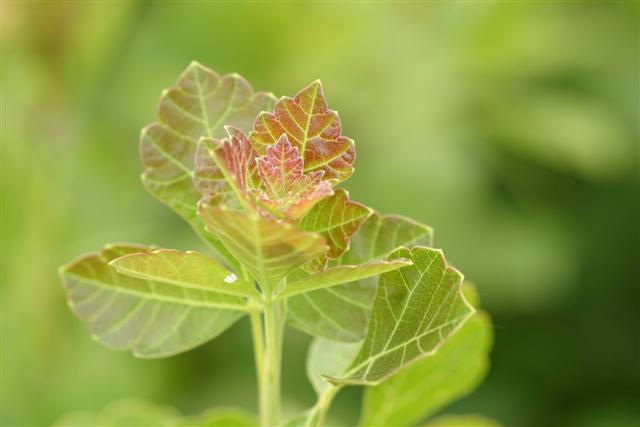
[{"x": 512, "y": 128}]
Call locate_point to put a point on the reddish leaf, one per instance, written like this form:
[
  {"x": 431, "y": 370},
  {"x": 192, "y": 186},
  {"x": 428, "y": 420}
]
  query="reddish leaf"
[
  {"x": 226, "y": 167},
  {"x": 313, "y": 129},
  {"x": 287, "y": 190}
]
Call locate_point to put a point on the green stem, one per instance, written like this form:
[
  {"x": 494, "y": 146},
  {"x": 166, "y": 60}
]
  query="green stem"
[
  {"x": 318, "y": 412},
  {"x": 270, "y": 406},
  {"x": 257, "y": 332}
]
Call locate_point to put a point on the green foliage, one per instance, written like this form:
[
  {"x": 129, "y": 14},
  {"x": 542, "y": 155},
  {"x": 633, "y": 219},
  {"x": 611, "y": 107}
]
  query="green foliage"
[
  {"x": 288, "y": 244},
  {"x": 142, "y": 413},
  {"x": 420, "y": 390}
]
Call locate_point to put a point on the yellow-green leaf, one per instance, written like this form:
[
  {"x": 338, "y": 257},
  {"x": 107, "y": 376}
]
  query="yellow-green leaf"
[
  {"x": 337, "y": 218},
  {"x": 423, "y": 388},
  {"x": 339, "y": 275},
  {"x": 152, "y": 319},
  {"x": 268, "y": 248},
  {"x": 415, "y": 310},
  {"x": 185, "y": 269},
  {"x": 341, "y": 313}
]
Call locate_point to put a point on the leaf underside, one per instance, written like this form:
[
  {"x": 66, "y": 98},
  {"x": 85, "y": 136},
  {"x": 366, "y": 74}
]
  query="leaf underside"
[
  {"x": 152, "y": 319},
  {"x": 199, "y": 105},
  {"x": 414, "y": 311},
  {"x": 328, "y": 358},
  {"x": 341, "y": 313},
  {"x": 423, "y": 388}
]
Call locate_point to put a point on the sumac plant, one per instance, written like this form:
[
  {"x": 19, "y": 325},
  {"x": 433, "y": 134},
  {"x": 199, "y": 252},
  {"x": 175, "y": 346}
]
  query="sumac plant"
[{"x": 259, "y": 180}]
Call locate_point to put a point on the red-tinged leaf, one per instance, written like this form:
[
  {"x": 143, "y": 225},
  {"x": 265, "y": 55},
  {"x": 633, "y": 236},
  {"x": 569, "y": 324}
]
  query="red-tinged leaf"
[
  {"x": 313, "y": 129},
  {"x": 287, "y": 190},
  {"x": 200, "y": 104},
  {"x": 226, "y": 167},
  {"x": 337, "y": 218}
]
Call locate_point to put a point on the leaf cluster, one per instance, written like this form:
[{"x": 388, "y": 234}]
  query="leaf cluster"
[{"x": 258, "y": 179}]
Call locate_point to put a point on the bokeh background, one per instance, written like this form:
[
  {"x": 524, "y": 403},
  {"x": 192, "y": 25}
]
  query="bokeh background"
[{"x": 510, "y": 127}]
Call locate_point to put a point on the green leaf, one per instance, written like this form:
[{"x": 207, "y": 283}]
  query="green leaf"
[
  {"x": 382, "y": 234},
  {"x": 152, "y": 319},
  {"x": 129, "y": 412},
  {"x": 339, "y": 275},
  {"x": 423, "y": 388},
  {"x": 415, "y": 310},
  {"x": 185, "y": 269},
  {"x": 341, "y": 313},
  {"x": 200, "y": 104},
  {"x": 268, "y": 248},
  {"x": 337, "y": 218},
  {"x": 312, "y": 128},
  {"x": 463, "y": 421},
  {"x": 136, "y": 412},
  {"x": 220, "y": 417},
  {"x": 329, "y": 358}
]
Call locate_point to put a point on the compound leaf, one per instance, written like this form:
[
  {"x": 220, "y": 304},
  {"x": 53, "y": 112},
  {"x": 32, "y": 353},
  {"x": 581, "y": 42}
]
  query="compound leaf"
[
  {"x": 423, "y": 388},
  {"x": 341, "y": 313},
  {"x": 415, "y": 310},
  {"x": 150, "y": 318},
  {"x": 185, "y": 269},
  {"x": 199, "y": 105},
  {"x": 312, "y": 128},
  {"x": 268, "y": 248}
]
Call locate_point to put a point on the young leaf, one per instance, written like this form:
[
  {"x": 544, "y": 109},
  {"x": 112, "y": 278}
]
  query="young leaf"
[
  {"x": 226, "y": 169},
  {"x": 423, "y": 388},
  {"x": 185, "y": 269},
  {"x": 415, "y": 309},
  {"x": 341, "y": 313},
  {"x": 382, "y": 234},
  {"x": 236, "y": 159},
  {"x": 337, "y": 218},
  {"x": 341, "y": 274},
  {"x": 199, "y": 105},
  {"x": 268, "y": 248},
  {"x": 289, "y": 192},
  {"x": 152, "y": 319},
  {"x": 312, "y": 128},
  {"x": 329, "y": 358}
]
